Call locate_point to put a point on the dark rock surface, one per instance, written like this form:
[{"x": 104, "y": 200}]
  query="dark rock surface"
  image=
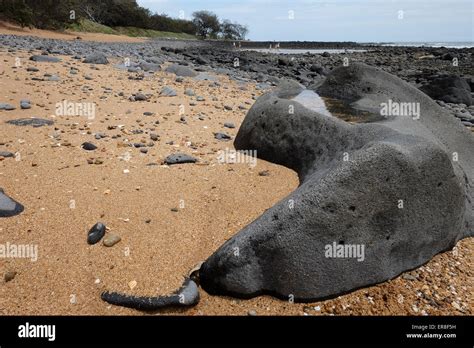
[
  {"x": 168, "y": 92},
  {"x": 96, "y": 58},
  {"x": 96, "y": 233},
  {"x": 391, "y": 186},
  {"x": 35, "y": 122},
  {"x": 8, "y": 206},
  {"x": 6, "y": 154},
  {"x": 180, "y": 70},
  {"x": 179, "y": 158},
  {"x": 7, "y": 107},
  {"x": 46, "y": 59},
  {"x": 88, "y": 146},
  {"x": 186, "y": 296},
  {"x": 450, "y": 89}
]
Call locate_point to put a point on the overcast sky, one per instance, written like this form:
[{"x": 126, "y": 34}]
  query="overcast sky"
[{"x": 338, "y": 20}]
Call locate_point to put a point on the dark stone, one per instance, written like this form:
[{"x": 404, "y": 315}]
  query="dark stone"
[
  {"x": 186, "y": 296},
  {"x": 8, "y": 206},
  {"x": 222, "y": 136},
  {"x": 46, "y": 59},
  {"x": 89, "y": 146},
  {"x": 202, "y": 61},
  {"x": 168, "y": 92},
  {"x": 140, "y": 97},
  {"x": 35, "y": 122},
  {"x": 96, "y": 233},
  {"x": 180, "y": 70},
  {"x": 150, "y": 67},
  {"x": 179, "y": 158},
  {"x": 6, "y": 154},
  {"x": 96, "y": 58},
  {"x": 451, "y": 89},
  {"x": 318, "y": 69},
  {"x": 5, "y": 106},
  {"x": 25, "y": 104}
]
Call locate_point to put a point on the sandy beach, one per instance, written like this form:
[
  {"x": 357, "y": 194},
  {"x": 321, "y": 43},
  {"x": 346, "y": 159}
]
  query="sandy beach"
[{"x": 169, "y": 218}]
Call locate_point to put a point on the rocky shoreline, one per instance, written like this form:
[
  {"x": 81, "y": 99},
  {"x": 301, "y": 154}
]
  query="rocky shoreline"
[{"x": 443, "y": 73}]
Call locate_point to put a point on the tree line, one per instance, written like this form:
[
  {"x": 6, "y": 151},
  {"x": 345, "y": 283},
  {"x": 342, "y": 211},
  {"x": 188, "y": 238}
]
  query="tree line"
[{"x": 58, "y": 14}]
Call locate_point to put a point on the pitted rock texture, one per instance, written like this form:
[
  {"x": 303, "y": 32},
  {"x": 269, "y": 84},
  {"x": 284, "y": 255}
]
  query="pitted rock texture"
[{"x": 401, "y": 187}]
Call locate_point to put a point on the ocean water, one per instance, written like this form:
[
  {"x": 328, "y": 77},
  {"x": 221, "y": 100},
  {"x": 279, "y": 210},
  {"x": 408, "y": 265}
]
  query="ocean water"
[
  {"x": 465, "y": 44},
  {"x": 311, "y": 100},
  {"x": 338, "y": 51},
  {"x": 301, "y": 51}
]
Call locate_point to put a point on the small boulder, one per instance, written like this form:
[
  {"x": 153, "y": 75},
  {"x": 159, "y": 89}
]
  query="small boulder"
[{"x": 96, "y": 58}]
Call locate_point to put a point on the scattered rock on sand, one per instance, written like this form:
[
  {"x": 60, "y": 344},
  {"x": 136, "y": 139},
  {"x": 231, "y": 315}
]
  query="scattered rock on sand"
[
  {"x": 53, "y": 78},
  {"x": 88, "y": 146},
  {"x": 96, "y": 58},
  {"x": 6, "y": 106},
  {"x": 150, "y": 67},
  {"x": 46, "y": 59},
  {"x": 35, "y": 122},
  {"x": 140, "y": 97},
  {"x": 168, "y": 92},
  {"x": 222, "y": 136},
  {"x": 6, "y": 154},
  {"x": 180, "y": 70},
  {"x": 9, "y": 207},
  {"x": 111, "y": 239},
  {"x": 25, "y": 104},
  {"x": 9, "y": 276},
  {"x": 179, "y": 158},
  {"x": 96, "y": 233},
  {"x": 229, "y": 125}
]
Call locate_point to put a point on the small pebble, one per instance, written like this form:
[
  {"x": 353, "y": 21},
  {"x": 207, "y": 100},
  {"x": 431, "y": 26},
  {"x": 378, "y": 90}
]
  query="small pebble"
[
  {"x": 9, "y": 276},
  {"x": 111, "y": 239},
  {"x": 96, "y": 233}
]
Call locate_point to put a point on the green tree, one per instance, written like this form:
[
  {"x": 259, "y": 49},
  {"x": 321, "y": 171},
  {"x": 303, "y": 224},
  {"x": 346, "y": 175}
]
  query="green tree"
[
  {"x": 207, "y": 24},
  {"x": 233, "y": 31}
]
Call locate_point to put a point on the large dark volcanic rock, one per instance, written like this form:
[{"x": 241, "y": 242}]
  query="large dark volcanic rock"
[{"x": 400, "y": 187}]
